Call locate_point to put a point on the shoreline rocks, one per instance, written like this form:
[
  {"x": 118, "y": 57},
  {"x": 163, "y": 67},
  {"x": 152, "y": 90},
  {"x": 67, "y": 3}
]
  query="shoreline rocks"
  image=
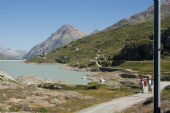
[{"x": 5, "y": 76}]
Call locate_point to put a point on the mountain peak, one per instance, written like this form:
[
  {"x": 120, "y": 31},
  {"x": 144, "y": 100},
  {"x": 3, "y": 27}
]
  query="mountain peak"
[
  {"x": 64, "y": 35},
  {"x": 66, "y": 27}
]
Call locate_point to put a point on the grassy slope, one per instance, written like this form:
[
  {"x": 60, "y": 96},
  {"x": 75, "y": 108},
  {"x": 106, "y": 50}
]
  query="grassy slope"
[
  {"x": 111, "y": 42},
  {"x": 145, "y": 66}
]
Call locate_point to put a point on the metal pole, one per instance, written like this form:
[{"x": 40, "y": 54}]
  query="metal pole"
[{"x": 157, "y": 54}]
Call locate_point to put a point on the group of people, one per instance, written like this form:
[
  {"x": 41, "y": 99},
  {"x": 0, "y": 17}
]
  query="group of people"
[{"x": 146, "y": 85}]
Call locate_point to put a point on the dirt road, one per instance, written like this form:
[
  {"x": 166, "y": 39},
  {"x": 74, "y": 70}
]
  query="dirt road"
[{"x": 120, "y": 104}]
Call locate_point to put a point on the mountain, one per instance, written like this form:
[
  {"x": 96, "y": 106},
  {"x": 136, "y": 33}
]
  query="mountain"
[
  {"x": 61, "y": 37},
  {"x": 1, "y": 56},
  {"x": 11, "y": 54},
  {"x": 130, "y": 41},
  {"x": 145, "y": 16}
]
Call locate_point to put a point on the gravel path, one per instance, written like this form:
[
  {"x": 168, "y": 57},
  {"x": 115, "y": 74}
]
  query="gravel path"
[{"x": 120, "y": 104}]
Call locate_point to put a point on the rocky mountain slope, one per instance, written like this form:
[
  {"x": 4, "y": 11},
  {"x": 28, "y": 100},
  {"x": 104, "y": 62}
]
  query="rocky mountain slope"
[
  {"x": 130, "y": 41},
  {"x": 144, "y": 16},
  {"x": 11, "y": 54},
  {"x": 62, "y": 36}
]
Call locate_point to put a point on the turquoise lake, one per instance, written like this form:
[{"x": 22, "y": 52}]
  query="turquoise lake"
[{"x": 46, "y": 71}]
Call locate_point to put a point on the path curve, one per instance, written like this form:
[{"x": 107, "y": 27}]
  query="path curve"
[{"x": 119, "y": 104}]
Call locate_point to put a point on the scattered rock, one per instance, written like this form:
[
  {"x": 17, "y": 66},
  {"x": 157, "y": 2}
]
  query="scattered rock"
[
  {"x": 70, "y": 95},
  {"x": 4, "y": 107},
  {"x": 30, "y": 80},
  {"x": 57, "y": 101},
  {"x": 14, "y": 100}
]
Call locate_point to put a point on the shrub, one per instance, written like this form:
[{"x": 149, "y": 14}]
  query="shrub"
[
  {"x": 80, "y": 87},
  {"x": 167, "y": 88},
  {"x": 44, "y": 110},
  {"x": 128, "y": 76},
  {"x": 94, "y": 85},
  {"x": 165, "y": 77},
  {"x": 62, "y": 59},
  {"x": 117, "y": 62},
  {"x": 136, "y": 50}
]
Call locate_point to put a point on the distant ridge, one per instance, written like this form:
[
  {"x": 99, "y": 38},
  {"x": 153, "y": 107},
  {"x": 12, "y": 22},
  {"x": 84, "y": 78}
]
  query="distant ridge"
[
  {"x": 145, "y": 16},
  {"x": 11, "y": 54}
]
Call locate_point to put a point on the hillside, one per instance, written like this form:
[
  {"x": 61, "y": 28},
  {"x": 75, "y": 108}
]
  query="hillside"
[
  {"x": 126, "y": 42},
  {"x": 64, "y": 35},
  {"x": 110, "y": 42}
]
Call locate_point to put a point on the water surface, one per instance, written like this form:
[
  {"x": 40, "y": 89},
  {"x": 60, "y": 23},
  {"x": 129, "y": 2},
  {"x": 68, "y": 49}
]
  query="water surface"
[{"x": 46, "y": 71}]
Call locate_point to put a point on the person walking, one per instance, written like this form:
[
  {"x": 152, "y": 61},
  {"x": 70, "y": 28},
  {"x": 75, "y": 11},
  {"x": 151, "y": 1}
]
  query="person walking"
[
  {"x": 142, "y": 85},
  {"x": 150, "y": 85},
  {"x": 145, "y": 85}
]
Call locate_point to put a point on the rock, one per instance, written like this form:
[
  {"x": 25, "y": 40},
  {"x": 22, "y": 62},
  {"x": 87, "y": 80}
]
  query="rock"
[
  {"x": 30, "y": 80},
  {"x": 5, "y": 76},
  {"x": 7, "y": 82},
  {"x": 102, "y": 80},
  {"x": 84, "y": 78},
  {"x": 148, "y": 101}
]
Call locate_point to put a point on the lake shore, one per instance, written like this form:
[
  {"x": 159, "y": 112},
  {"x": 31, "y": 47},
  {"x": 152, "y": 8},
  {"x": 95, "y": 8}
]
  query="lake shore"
[
  {"x": 34, "y": 94},
  {"x": 67, "y": 67}
]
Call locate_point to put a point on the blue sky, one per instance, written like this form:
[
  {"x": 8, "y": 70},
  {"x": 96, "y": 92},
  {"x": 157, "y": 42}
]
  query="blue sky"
[{"x": 25, "y": 23}]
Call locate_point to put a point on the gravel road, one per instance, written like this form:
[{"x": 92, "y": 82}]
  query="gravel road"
[{"x": 119, "y": 104}]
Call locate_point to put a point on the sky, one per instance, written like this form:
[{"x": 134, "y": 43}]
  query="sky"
[{"x": 25, "y": 23}]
